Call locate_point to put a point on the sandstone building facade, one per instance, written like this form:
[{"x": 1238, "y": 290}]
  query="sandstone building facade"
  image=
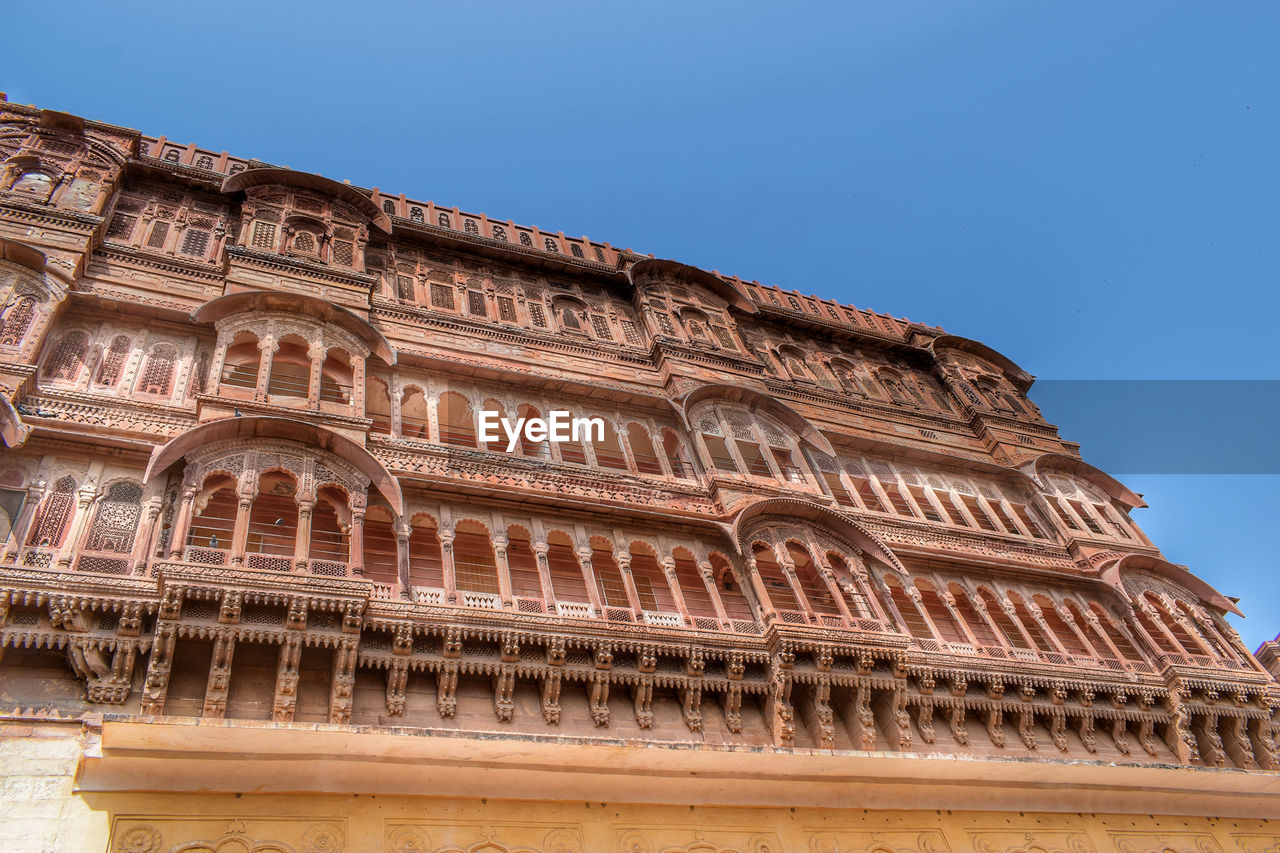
[{"x": 828, "y": 582}]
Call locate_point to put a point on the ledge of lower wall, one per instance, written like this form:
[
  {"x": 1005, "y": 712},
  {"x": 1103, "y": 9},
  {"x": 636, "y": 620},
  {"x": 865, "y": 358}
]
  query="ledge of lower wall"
[{"x": 202, "y": 756}]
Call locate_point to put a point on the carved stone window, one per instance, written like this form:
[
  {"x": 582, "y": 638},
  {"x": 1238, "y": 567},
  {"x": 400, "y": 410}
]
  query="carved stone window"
[
  {"x": 389, "y": 207},
  {"x": 499, "y": 233},
  {"x": 113, "y": 360},
  {"x": 537, "y": 315},
  {"x": 506, "y": 309},
  {"x": 68, "y": 357},
  {"x": 576, "y": 249},
  {"x": 157, "y": 375},
  {"x": 195, "y": 242},
  {"x": 444, "y": 221},
  {"x": 442, "y": 296},
  {"x": 525, "y": 239},
  {"x": 264, "y": 235},
  {"x": 36, "y": 183},
  {"x": 48, "y": 532},
  {"x": 415, "y": 214},
  {"x": 116, "y": 521},
  {"x": 550, "y": 245},
  {"x": 18, "y": 321},
  {"x": 470, "y": 226}
]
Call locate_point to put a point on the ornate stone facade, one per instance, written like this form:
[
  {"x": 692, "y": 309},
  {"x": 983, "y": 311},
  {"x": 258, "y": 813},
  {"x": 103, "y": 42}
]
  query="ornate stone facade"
[{"x": 255, "y": 545}]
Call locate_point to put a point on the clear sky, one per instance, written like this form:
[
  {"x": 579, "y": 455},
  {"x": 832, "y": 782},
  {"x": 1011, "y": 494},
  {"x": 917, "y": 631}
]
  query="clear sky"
[{"x": 1090, "y": 188}]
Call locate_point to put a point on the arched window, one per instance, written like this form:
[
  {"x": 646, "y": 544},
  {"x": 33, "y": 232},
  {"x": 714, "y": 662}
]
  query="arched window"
[
  {"x": 157, "y": 372},
  {"x": 377, "y": 405},
  {"x": 1114, "y": 634},
  {"x": 693, "y": 589},
  {"x": 677, "y": 456},
  {"x": 1067, "y": 638},
  {"x": 1029, "y": 624},
  {"x": 1180, "y": 633},
  {"x": 49, "y": 531},
  {"x": 113, "y": 360},
  {"x": 1096, "y": 640},
  {"x": 329, "y": 528},
  {"x": 273, "y": 522},
  {"x": 522, "y": 565},
  {"x": 937, "y": 609},
  {"x": 18, "y": 321},
  {"x": 916, "y": 623},
  {"x": 415, "y": 214},
  {"x": 998, "y": 615},
  {"x": 793, "y": 359},
  {"x": 336, "y": 380},
  {"x": 608, "y": 451},
  {"x": 380, "y": 552},
  {"x": 388, "y": 207},
  {"x": 613, "y": 591},
  {"x": 532, "y": 449},
  {"x": 116, "y": 520},
  {"x": 414, "y": 415},
  {"x": 68, "y": 357},
  {"x": 240, "y": 368},
  {"x": 475, "y": 568},
  {"x": 811, "y": 583},
  {"x": 781, "y": 595},
  {"x": 855, "y": 594},
  {"x": 972, "y": 618},
  {"x": 214, "y": 517},
  {"x": 290, "y": 369},
  {"x": 457, "y": 425},
  {"x": 426, "y": 560},
  {"x": 651, "y": 582},
  {"x": 712, "y": 435},
  {"x": 642, "y": 449},
  {"x": 735, "y": 601},
  {"x": 567, "y": 582}
]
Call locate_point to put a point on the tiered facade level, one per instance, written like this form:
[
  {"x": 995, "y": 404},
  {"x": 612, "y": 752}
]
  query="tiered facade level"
[{"x": 827, "y": 572}]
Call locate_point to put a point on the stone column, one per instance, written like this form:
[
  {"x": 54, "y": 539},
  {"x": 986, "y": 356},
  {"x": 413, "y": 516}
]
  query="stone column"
[
  {"x": 355, "y": 539},
  {"x": 981, "y": 607},
  {"x": 316, "y": 353},
  {"x": 540, "y": 550},
  {"x": 1038, "y": 615},
  {"x": 917, "y": 601},
  {"x": 182, "y": 522},
  {"x": 240, "y": 534},
  {"x": 22, "y": 525},
  {"x": 357, "y": 386},
  {"x": 74, "y": 541},
  {"x": 767, "y": 611},
  {"x": 1096, "y": 624},
  {"x": 623, "y": 560},
  {"x": 950, "y": 601},
  {"x": 860, "y": 575},
  {"x": 267, "y": 347},
  {"x": 302, "y": 536},
  {"x": 216, "y": 364},
  {"x": 142, "y": 543},
  {"x": 837, "y": 594},
  {"x": 788, "y": 567},
  {"x": 669, "y": 569},
  {"x": 403, "y": 531},
  {"x": 499, "y": 544},
  {"x": 589, "y": 575},
  {"x": 1066, "y": 616},
  {"x": 708, "y": 573},
  {"x": 448, "y": 573},
  {"x": 1012, "y": 612}
]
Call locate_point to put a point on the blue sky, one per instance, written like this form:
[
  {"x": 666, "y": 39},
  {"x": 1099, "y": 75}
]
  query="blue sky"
[{"x": 1091, "y": 188}]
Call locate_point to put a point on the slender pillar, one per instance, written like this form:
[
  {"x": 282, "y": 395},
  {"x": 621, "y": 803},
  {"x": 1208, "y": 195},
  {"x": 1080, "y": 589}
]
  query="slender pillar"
[
  {"x": 669, "y": 569},
  {"x": 447, "y": 569},
  {"x": 623, "y": 560},
  {"x": 789, "y": 572},
  {"x": 182, "y": 523},
  {"x": 1066, "y": 616},
  {"x": 767, "y": 611},
  {"x": 357, "y": 386},
  {"x": 355, "y": 541},
  {"x": 980, "y": 605},
  {"x": 708, "y": 573},
  {"x": 73, "y": 544},
  {"x": 240, "y": 534},
  {"x": 589, "y": 575},
  {"x": 302, "y": 537},
  {"x": 837, "y": 594},
  {"x": 142, "y": 548},
  {"x": 316, "y": 353},
  {"x": 499, "y": 544},
  {"x": 403, "y": 532},
  {"x": 950, "y": 601},
  {"x": 267, "y": 347},
  {"x": 540, "y": 550}
]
